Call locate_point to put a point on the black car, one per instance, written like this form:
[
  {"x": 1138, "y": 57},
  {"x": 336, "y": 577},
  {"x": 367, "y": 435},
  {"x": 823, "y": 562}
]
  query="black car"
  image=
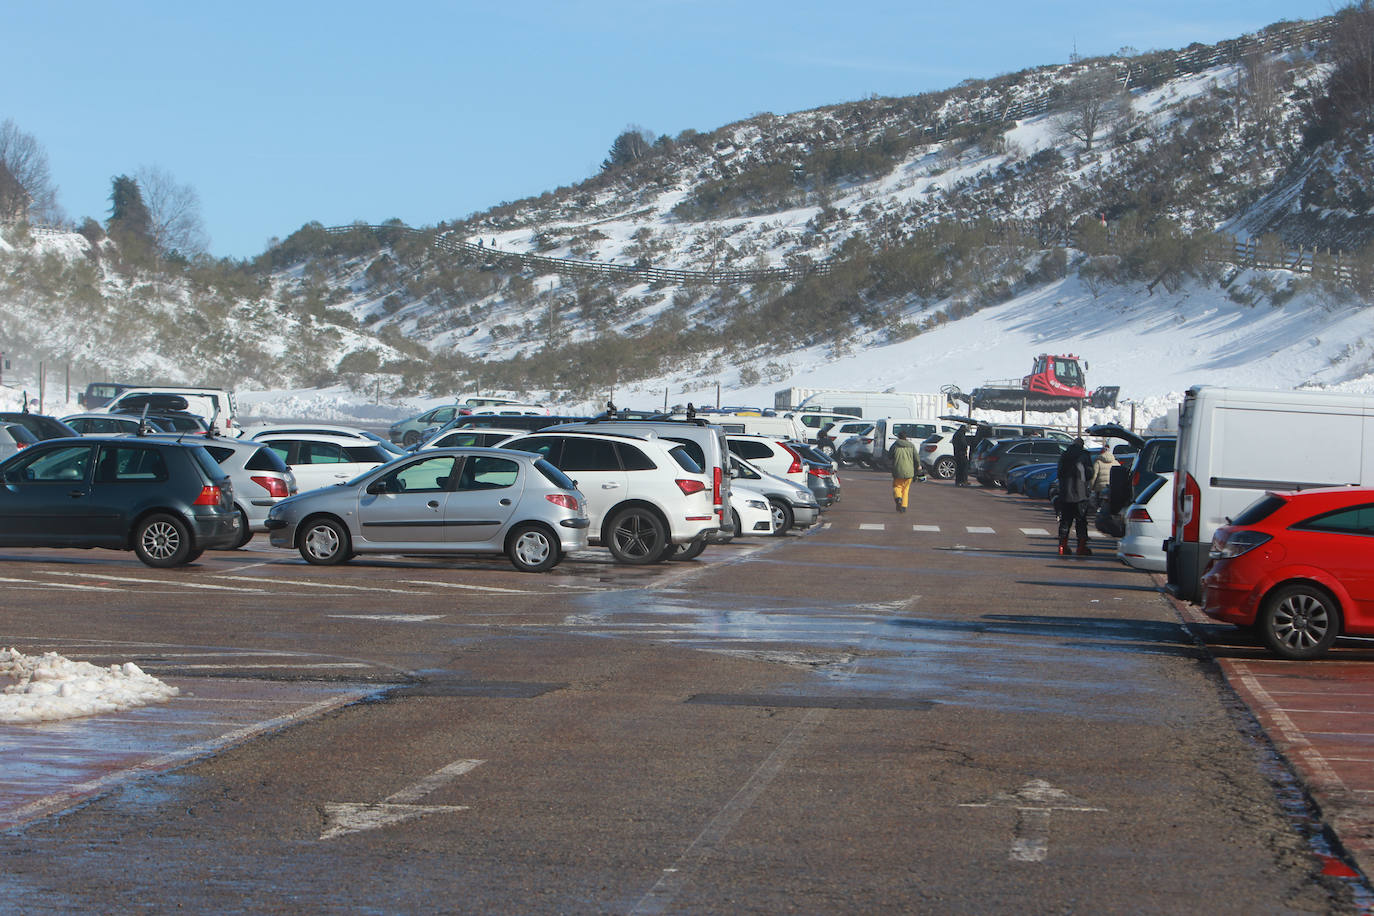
[
  {"x": 998, "y": 456},
  {"x": 41, "y": 425},
  {"x": 821, "y": 475},
  {"x": 169, "y": 421},
  {"x": 168, "y": 501}
]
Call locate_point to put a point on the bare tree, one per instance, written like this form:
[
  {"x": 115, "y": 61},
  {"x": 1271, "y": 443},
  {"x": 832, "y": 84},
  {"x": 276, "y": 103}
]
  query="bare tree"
[
  {"x": 1093, "y": 101},
  {"x": 174, "y": 212},
  {"x": 27, "y": 164}
]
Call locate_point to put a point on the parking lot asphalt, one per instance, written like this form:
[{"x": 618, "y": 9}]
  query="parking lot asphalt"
[{"x": 922, "y": 712}]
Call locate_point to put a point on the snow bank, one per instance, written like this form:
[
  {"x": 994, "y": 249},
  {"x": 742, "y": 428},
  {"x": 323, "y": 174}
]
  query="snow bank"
[{"x": 50, "y": 687}]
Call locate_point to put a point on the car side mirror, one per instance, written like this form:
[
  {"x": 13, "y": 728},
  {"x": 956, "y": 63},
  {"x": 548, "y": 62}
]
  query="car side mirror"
[{"x": 377, "y": 487}]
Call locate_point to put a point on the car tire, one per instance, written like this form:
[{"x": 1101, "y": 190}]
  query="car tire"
[
  {"x": 533, "y": 548},
  {"x": 1299, "y": 621},
  {"x": 739, "y": 525},
  {"x": 410, "y": 439},
  {"x": 245, "y": 531},
  {"x": 637, "y": 536},
  {"x": 688, "y": 552},
  {"x": 324, "y": 542},
  {"x": 163, "y": 541},
  {"x": 944, "y": 468},
  {"x": 782, "y": 517}
]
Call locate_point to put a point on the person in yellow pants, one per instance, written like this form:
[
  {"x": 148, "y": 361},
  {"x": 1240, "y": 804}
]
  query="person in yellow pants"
[{"x": 903, "y": 469}]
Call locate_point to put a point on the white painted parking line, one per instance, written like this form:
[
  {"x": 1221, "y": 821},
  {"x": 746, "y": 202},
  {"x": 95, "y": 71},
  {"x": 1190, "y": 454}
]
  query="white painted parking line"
[
  {"x": 1034, "y": 531},
  {"x": 178, "y": 583},
  {"x": 312, "y": 584},
  {"x": 59, "y": 585},
  {"x": 929, "y": 528},
  {"x": 475, "y": 588},
  {"x": 872, "y": 526},
  {"x": 389, "y": 618},
  {"x": 979, "y": 529},
  {"x": 294, "y": 666},
  {"x": 349, "y": 817}
]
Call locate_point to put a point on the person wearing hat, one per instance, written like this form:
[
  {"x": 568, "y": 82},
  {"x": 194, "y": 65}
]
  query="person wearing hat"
[{"x": 903, "y": 457}]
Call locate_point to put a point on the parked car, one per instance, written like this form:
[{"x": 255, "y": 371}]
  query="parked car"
[
  {"x": 41, "y": 425},
  {"x": 261, "y": 479},
  {"x": 991, "y": 465},
  {"x": 98, "y": 394},
  {"x": 768, "y": 454},
  {"x": 750, "y": 512},
  {"x": 471, "y": 437},
  {"x": 1148, "y": 523},
  {"x": 793, "y": 505},
  {"x": 832, "y": 435},
  {"x": 216, "y": 406},
  {"x": 172, "y": 421},
  {"x": 322, "y": 461},
  {"x": 644, "y": 495},
  {"x": 410, "y": 431},
  {"x": 104, "y": 424},
  {"x": 166, "y": 501},
  {"x": 1295, "y": 566},
  {"x": 14, "y": 437},
  {"x": 886, "y": 430},
  {"x": 440, "y": 502},
  {"x": 813, "y": 421},
  {"x": 1016, "y": 477},
  {"x": 821, "y": 476},
  {"x": 936, "y": 452},
  {"x": 323, "y": 429},
  {"x": 1039, "y": 481}
]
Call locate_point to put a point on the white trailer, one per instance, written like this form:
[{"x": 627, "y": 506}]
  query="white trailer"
[
  {"x": 865, "y": 404},
  {"x": 1234, "y": 444}
]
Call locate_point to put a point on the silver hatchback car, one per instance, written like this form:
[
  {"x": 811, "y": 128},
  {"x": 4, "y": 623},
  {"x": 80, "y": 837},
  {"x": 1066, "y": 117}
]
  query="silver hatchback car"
[{"x": 440, "y": 502}]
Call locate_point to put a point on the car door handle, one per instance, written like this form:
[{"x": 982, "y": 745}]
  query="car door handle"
[
  {"x": 76, "y": 494},
  {"x": 610, "y": 486},
  {"x": 433, "y": 504},
  {"x": 505, "y": 502}
]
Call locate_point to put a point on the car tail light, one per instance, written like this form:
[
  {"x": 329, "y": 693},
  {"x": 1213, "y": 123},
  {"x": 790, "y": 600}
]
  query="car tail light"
[
  {"x": 210, "y": 495},
  {"x": 688, "y": 486},
  {"x": 1228, "y": 544},
  {"x": 1187, "y": 512},
  {"x": 823, "y": 472},
  {"x": 866, "y": 440},
  {"x": 796, "y": 466},
  {"x": 717, "y": 475},
  {"x": 562, "y": 499},
  {"x": 929, "y": 448},
  {"x": 1138, "y": 514},
  {"x": 274, "y": 486}
]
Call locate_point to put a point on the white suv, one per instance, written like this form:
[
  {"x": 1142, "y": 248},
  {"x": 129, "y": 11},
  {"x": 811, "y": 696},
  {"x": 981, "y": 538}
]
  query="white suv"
[
  {"x": 645, "y": 495},
  {"x": 318, "y": 460}
]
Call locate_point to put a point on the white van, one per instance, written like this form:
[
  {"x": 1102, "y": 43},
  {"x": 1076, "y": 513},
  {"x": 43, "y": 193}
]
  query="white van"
[
  {"x": 917, "y": 429},
  {"x": 872, "y": 404},
  {"x": 1234, "y": 444},
  {"x": 215, "y": 405}
]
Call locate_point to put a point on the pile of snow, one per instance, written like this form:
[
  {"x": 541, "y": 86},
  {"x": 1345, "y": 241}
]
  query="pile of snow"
[{"x": 50, "y": 687}]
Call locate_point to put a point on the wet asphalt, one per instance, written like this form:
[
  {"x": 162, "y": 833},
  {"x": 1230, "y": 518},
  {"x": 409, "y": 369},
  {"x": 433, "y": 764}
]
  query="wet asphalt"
[{"x": 919, "y": 712}]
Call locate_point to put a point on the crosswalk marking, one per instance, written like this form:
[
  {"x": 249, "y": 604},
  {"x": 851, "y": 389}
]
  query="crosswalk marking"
[
  {"x": 1034, "y": 531},
  {"x": 979, "y": 529},
  {"x": 872, "y": 526},
  {"x": 925, "y": 527}
]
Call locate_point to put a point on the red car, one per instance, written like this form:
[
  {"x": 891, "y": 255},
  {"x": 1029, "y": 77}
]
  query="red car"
[{"x": 1299, "y": 568}]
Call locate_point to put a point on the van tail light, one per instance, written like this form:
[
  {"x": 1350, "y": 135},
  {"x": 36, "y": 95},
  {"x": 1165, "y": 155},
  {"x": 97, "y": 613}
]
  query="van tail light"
[
  {"x": 274, "y": 486},
  {"x": 565, "y": 500},
  {"x": 1187, "y": 512},
  {"x": 796, "y": 466},
  {"x": 210, "y": 495},
  {"x": 1138, "y": 514},
  {"x": 688, "y": 486},
  {"x": 717, "y": 476}
]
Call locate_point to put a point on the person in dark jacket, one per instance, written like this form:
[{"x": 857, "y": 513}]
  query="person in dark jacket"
[
  {"x": 960, "y": 444},
  {"x": 1075, "y": 473}
]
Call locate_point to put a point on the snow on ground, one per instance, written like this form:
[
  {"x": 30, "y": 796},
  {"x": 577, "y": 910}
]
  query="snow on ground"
[{"x": 50, "y": 687}]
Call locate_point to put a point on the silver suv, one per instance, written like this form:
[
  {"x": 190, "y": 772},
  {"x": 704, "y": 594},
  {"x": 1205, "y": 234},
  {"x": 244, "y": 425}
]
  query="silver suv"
[{"x": 645, "y": 495}]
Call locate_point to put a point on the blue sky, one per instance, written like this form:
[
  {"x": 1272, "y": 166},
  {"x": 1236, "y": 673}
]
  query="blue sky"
[{"x": 282, "y": 113}]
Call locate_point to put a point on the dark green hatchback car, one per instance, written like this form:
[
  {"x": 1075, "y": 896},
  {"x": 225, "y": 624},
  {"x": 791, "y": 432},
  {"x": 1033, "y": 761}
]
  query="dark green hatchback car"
[{"x": 166, "y": 501}]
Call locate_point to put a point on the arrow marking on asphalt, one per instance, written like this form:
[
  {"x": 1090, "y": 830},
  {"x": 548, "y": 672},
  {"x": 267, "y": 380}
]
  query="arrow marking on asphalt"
[
  {"x": 1034, "y": 802},
  {"x": 342, "y": 818}
]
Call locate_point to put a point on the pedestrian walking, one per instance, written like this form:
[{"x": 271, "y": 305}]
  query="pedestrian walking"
[
  {"x": 1075, "y": 475},
  {"x": 1101, "y": 481},
  {"x": 903, "y": 457},
  {"x": 960, "y": 443}
]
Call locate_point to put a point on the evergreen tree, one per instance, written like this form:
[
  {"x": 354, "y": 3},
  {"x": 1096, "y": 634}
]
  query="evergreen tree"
[{"x": 129, "y": 216}]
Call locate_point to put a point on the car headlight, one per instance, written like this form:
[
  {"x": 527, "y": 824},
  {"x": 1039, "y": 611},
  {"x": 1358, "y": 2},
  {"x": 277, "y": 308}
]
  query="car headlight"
[{"x": 756, "y": 504}]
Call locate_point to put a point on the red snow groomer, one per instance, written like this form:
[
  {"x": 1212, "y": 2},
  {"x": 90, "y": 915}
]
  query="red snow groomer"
[{"x": 1056, "y": 382}]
